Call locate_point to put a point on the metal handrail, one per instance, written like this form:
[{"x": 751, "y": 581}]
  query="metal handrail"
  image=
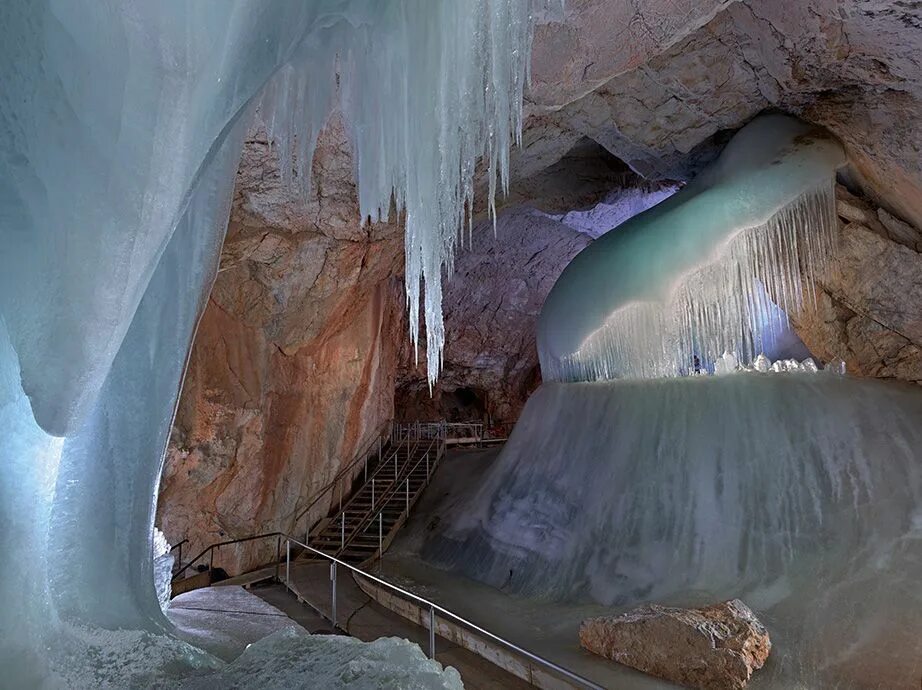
[
  {"x": 363, "y": 454},
  {"x": 439, "y": 429},
  {"x": 212, "y": 547},
  {"x": 433, "y": 608},
  {"x": 178, "y": 563},
  {"x": 380, "y": 469},
  {"x": 380, "y": 500},
  {"x": 405, "y": 513}
]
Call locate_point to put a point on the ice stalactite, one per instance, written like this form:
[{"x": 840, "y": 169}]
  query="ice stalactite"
[
  {"x": 700, "y": 274},
  {"x": 428, "y": 90}
]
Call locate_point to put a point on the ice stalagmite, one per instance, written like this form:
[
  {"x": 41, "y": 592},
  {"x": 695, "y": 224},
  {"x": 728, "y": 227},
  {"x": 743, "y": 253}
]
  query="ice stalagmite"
[
  {"x": 120, "y": 131},
  {"x": 685, "y": 279}
]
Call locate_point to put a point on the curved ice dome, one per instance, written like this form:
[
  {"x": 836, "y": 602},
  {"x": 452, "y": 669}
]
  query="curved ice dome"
[{"x": 697, "y": 275}]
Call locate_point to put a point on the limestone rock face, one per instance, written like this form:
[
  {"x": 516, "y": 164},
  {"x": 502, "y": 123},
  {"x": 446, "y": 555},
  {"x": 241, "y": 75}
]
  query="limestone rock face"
[
  {"x": 867, "y": 306},
  {"x": 659, "y": 83},
  {"x": 294, "y": 360},
  {"x": 714, "y": 648}
]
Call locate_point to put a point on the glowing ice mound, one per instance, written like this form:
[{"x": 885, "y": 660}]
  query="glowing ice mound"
[
  {"x": 685, "y": 278},
  {"x": 799, "y": 493}
]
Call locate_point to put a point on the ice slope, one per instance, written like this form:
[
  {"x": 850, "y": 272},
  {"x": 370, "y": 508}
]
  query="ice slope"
[
  {"x": 684, "y": 279},
  {"x": 799, "y": 493}
]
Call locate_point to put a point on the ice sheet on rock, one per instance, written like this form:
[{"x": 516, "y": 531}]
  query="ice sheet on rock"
[
  {"x": 163, "y": 569},
  {"x": 798, "y": 493},
  {"x": 684, "y": 279},
  {"x": 295, "y": 659},
  {"x": 617, "y": 208}
]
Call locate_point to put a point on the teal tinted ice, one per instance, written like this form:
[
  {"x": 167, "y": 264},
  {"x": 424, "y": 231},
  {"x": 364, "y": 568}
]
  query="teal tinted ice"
[{"x": 684, "y": 279}]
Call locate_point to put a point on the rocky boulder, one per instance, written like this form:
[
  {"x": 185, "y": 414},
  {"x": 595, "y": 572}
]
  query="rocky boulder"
[{"x": 716, "y": 647}]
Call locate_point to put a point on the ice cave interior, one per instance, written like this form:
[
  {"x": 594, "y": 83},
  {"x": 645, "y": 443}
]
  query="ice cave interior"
[{"x": 265, "y": 266}]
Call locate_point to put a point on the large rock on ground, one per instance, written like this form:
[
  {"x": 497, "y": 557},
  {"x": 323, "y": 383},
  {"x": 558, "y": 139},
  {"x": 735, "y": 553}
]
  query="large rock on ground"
[{"x": 715, "y": 648}]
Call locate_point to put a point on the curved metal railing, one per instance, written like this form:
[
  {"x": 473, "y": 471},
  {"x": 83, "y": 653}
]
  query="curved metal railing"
[{"x": 434, "y": 609}]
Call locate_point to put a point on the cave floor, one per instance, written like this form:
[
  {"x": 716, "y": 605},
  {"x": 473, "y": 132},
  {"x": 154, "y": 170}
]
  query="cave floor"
[
  {"x": 548, "y": 629},
  {"x": 224, "y": 620},
  {"x": 361, "y": 617}
]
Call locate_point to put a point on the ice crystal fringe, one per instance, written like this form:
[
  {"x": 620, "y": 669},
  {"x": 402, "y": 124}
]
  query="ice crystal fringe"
[
  {"x": 725, "y": 306},
  {"x": 428, "y": 88}
]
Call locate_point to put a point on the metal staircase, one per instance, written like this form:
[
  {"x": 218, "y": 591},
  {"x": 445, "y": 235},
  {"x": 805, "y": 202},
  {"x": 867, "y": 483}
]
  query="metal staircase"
[
  {"x": 370, "y": 497},
  {"x": 366, "y": 523}
]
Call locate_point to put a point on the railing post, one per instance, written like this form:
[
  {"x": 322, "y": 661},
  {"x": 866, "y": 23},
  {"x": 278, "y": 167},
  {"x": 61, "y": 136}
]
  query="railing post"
[
  {"x": 427, "y": 467},
  {"x": 179, "y": 563},
  {"x": 278, "y": 556},
  {"x": 380, "y": 538},
  {"x": 333, "y": 606},
  {"x": 288, "y": 563},
  {"x": 342, "y": 531},
  {"x": 210, "y": 561},
  {"x": 408, "y": 496},
  {"x": 372, "y": 492},
  {"x": 431, "y": 632}
]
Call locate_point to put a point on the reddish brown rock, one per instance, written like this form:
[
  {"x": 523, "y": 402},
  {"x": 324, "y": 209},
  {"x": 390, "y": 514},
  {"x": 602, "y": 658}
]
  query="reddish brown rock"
[
  {"x": 714, "y": 648},
  {"x": 294, "y": 361}
]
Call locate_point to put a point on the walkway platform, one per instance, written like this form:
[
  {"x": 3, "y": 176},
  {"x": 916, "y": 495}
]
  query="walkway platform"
[{"x": 361, "y": 617}]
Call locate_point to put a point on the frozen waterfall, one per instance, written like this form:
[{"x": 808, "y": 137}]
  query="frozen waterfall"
[
  {"x": 120, "y": 131},
  {"x": 799, "y": 493},
  {"x": 700, "y": 274}
]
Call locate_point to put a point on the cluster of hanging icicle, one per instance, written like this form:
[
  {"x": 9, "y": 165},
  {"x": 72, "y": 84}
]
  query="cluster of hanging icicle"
[
  {"x": 726, "y": 306},
  {"x": 427, "y": 88}
]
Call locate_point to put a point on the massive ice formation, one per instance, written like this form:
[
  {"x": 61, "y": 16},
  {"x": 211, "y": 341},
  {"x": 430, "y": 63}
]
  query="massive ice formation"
[
  {"x": 798, "y": 493},
  {"x": 685, "y": 279},
  {"x": 120, "y": 130}
]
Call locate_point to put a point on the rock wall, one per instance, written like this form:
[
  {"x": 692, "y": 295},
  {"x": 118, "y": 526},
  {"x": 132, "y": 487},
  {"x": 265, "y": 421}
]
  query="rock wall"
[
  {"x": 294, "y": 361},
  {"x": 869, "y": 303},
  {"x": 658, "y": 83}
]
